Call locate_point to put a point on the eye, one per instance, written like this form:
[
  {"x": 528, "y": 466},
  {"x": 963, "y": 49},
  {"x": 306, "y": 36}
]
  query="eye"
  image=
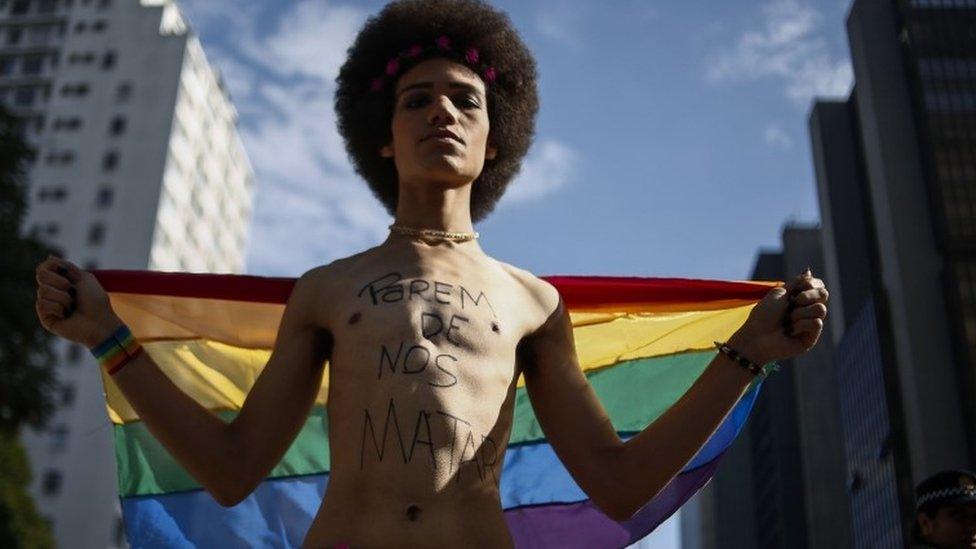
[
  {"x": 416, "y": 101},
  {"x": 468, "y": 101}
]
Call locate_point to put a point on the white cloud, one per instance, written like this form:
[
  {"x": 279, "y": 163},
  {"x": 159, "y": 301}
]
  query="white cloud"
[
  {"x": 549, "y": 166},
  {"x": 310, "y": 40},
  {"x": 775, "y": 136},
  {"x": 787, "y": 47},
  {"x": 560, "y": 21},
  {"x": 311, "y": 207}
]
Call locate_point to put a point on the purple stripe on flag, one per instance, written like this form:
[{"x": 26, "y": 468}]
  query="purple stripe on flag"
[{"x": 583, "y": 525}]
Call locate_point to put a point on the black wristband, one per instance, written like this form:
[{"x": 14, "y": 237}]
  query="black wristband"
[{"x": 756, "y": 369}]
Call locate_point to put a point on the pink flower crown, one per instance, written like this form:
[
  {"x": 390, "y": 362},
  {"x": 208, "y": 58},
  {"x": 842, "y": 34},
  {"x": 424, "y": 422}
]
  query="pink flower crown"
[{"x": 441, "y": 43}]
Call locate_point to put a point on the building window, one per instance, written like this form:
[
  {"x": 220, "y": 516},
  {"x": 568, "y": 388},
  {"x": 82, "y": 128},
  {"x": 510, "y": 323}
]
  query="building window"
[
  {"x": 64, "y": 157},
  {"x": 6, "y": 66},
  {"x": 47, "y": 6},
  {"x": 104, "y": 197},
  {"x": 110, "y": 161},
  {"x": 20, "y": 7},
  {"x": 13, "y": 35},
  {"x": 24, "y": 97},
  {"x": 67, "y": 394},
  {"x": 33, "y": 64},
  {"x": 79, "y": 89},
  {"x": 117, "y": 126},
  {"x": 123, "y": 92},
  {"x": 104, "y": 4},
  {"x": 80, "y": 26},
  {"x": 96, "y": 234},
  {"x": 72, "y": 123},
  {"x": 51, "y": 484},
  {"x": 39, "y": 35},
  {"x": 108, "y": 60},
  {"x": 53, "y": 194},
  {"x": 59, "y": 438},
  {"x": 99, "y": 25},
  {"x": 78, "y": 57},
  {"x": 52, "y": 229}
]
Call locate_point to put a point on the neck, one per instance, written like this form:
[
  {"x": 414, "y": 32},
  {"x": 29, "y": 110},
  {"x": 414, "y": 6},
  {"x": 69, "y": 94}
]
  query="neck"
[{"x": 435, "y": 208}]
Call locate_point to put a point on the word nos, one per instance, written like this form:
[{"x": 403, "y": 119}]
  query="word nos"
[
  {"x": 417, "y": 357},
  {"x": 479, "y": 457}
]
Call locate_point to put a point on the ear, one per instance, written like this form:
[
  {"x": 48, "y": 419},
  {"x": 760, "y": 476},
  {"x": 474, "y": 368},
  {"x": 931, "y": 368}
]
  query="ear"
[
  {"x": 924, "y": 524},
  {"x": 490, "y": 152},
  {"x": 386, "y": 151}
]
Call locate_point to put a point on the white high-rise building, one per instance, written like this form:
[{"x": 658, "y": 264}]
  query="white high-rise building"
[{"x": 139, "y": 166}]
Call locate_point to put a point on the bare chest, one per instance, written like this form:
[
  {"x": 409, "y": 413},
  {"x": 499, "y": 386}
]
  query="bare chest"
[{"x": 426, "y": 332}]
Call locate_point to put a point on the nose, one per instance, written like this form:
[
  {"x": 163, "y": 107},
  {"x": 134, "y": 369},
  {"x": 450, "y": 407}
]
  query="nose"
[{"x": 442, "y": 112}]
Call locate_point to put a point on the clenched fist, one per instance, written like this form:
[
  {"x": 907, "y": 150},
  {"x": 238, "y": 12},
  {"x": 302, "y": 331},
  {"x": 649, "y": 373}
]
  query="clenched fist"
[
  {"x": 72, "y": 304},
  {"x": 786, "y": 323}
]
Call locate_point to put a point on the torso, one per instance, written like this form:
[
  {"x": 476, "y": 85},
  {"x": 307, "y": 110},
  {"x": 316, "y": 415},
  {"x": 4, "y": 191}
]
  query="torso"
[{"x": 421, "y": 391}]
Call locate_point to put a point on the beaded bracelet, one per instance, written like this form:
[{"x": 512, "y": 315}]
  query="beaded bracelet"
[
  {"x": 118, "y": 350},
  {"x": 756, "y": 369}
]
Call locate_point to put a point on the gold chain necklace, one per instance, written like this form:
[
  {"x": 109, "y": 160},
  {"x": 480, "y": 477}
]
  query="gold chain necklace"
[{"x": 433, "y": 233}]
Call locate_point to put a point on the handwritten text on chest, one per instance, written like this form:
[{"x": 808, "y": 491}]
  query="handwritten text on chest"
[{"x": 447, "y": 315}]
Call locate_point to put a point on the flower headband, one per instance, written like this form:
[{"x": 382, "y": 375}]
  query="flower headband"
[{"x": 442, "y": 43}]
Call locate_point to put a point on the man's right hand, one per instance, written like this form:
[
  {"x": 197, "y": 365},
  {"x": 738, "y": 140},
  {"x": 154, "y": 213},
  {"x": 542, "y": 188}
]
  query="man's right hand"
[{"x": 72, "y": 304}]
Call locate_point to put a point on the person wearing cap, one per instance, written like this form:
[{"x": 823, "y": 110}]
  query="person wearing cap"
[{"x": 946, "y": 510}]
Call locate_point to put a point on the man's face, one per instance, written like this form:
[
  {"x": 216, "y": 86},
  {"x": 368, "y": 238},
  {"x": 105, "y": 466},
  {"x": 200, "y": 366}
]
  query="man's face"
[
  {"x": 952, "y": 526},
  {"x": 439, "y": 95}
]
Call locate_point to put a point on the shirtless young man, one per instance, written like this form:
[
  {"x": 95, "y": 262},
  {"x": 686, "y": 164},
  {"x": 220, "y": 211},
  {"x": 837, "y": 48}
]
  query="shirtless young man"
[{"x": 425, "y": 336}]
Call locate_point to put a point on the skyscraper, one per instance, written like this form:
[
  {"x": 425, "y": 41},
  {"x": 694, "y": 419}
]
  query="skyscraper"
[
  {"x": 139, "y": 166},
  {"x": 868, "y": 419},
  {"x": 781, "y": 484},
  {"x": 916, "y": 173},
  {"x": 896, "y": 174}
]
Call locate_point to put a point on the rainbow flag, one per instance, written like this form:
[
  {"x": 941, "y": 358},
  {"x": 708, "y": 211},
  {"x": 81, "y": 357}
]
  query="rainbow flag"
[{"x": 641, "y": 342}]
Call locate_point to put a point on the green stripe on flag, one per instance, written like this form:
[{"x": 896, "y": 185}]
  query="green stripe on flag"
[{"x": 145, "y": 467}]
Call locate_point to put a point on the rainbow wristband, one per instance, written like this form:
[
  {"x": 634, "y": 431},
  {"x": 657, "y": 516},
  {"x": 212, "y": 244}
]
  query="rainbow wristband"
[{"x": 117, "y": 351}]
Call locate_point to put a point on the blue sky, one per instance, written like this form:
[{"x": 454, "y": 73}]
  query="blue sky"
[{"x": 671, "y": 140}]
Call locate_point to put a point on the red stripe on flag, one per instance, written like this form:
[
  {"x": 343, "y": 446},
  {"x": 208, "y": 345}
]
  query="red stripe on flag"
[{"x": 577, "y": 291}]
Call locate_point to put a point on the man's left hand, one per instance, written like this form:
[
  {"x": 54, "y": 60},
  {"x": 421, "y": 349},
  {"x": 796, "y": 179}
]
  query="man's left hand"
[{"x": 786, "y": 323}]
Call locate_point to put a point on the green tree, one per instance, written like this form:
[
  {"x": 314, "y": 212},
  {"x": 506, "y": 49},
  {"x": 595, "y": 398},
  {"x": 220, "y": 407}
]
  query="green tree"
[{"x": 27, "y": 383}]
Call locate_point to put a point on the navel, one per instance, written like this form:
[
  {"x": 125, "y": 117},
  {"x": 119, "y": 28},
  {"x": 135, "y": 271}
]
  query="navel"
[{"x": 413, "y": 513}]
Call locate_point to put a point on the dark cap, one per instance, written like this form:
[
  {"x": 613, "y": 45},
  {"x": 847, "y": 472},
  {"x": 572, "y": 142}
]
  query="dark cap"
[{"x": 945, "y": 488}]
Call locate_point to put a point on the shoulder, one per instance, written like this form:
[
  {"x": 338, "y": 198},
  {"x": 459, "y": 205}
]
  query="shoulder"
[
  {"x": 318, "y": 287},
  {"x": 542, "y": 297},
  {"x": 330, "y": 277}
]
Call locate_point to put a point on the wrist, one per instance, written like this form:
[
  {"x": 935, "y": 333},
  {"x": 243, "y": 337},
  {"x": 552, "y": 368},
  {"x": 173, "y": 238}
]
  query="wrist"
[
  {"x": 749, "y": 347},
  {"x": 102, "y": 331}
]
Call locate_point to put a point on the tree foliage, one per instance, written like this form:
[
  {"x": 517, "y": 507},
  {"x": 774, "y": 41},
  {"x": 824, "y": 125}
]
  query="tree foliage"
[{"x": 27, "y": 383}]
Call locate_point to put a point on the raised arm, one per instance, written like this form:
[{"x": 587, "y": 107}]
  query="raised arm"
[
  {"x": 224, "y": 458},
  {"x": 621, "y": 477}
]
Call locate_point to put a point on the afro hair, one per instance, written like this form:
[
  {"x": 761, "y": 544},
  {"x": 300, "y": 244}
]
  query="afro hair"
[{"x": 365, "y": 115}]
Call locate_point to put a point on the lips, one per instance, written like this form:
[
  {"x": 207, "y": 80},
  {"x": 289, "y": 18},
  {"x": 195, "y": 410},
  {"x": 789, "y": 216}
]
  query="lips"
[{"x": 443, "y": 133}]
